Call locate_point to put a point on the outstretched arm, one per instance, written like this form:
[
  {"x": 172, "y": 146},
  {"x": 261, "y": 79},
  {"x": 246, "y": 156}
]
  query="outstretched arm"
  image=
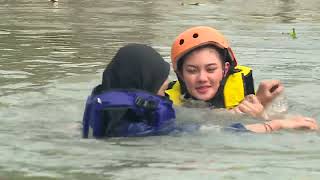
[{"x": 297, "y": 122}]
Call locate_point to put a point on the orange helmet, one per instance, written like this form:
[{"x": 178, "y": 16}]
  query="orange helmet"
[{"x": 196, "y": 37}]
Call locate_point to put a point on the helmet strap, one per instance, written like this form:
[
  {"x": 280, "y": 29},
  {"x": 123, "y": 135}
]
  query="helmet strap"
[{"x": 226, "y": 69}]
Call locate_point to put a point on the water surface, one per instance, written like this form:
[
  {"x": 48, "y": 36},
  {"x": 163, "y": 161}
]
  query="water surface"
[{"x": 51, "y": 55}]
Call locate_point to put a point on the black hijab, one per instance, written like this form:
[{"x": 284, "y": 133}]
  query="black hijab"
[{"x": 135, "y": 66}]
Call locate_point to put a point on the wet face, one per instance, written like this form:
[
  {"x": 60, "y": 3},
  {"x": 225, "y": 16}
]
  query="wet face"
[
  {"x": 163, "y": 88},
  {"x": 202, "y": 72}
]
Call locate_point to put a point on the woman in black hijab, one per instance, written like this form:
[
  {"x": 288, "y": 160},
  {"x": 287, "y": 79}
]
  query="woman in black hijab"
[
  {"x": 127, "y": 102},
  {"x": 135, "y": 66}
]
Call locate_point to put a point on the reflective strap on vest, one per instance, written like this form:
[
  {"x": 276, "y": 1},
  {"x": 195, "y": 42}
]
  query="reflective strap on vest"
[{"x": 175, "y": 94}]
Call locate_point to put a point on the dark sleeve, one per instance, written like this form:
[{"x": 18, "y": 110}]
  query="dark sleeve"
[
  {"x": 237, "y": 127},
  {"x": 248, "y": 84}
]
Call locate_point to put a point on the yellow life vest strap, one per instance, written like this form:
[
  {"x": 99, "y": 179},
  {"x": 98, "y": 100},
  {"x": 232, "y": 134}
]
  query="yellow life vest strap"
[
  {"x": 174, "y": 93},
  {"x": 236, "y": 86}
]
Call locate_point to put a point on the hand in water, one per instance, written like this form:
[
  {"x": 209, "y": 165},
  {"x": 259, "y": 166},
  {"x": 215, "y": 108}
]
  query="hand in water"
[
  {"x": 299, "y": 122},
  {"x": 268, "y": 90},
  {"x": 251, "y": 106}
]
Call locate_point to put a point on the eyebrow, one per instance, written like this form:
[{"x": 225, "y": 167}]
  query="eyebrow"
[{"x": 211, "y": 64}]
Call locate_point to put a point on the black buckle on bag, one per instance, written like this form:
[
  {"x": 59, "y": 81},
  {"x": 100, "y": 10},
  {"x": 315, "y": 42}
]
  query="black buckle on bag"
[{"x": 147, "y": 104}]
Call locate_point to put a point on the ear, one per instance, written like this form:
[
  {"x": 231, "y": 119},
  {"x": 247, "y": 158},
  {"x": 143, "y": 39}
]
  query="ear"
[{"x": 226, "y": 68}]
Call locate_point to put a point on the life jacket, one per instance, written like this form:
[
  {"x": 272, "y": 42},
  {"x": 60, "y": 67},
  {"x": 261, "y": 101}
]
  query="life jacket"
[
  {"x": 124, "y": 113},
  {"x": 237, "y": 86}
]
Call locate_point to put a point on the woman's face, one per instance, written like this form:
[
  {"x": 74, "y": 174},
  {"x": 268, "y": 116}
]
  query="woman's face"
[{"x": 202, "y": 72}]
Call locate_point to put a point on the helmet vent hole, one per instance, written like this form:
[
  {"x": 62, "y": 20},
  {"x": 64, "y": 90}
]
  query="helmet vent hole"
[
  {"x": 181, "y": 41},
  {"x": 195, "y": 35}
]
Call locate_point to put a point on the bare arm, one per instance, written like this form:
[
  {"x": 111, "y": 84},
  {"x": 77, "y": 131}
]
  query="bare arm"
[{"x": 297, "y": 122}]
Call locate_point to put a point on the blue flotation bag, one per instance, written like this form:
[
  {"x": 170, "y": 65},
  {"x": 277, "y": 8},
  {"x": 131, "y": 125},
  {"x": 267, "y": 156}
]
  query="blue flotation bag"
[{"x": 125, "y": 113}]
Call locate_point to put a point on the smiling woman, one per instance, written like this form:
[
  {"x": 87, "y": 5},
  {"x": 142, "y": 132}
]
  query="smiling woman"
[{"x": 207, "y": 70}]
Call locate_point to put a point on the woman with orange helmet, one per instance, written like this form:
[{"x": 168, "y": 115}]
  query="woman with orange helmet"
[
  {"x": 207, "y": 70},
  {"x": 222, "y": 83}
]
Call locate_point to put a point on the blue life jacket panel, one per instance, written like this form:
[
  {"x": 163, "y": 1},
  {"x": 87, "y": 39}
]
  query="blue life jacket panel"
[{"x": 124, "y": 113}]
